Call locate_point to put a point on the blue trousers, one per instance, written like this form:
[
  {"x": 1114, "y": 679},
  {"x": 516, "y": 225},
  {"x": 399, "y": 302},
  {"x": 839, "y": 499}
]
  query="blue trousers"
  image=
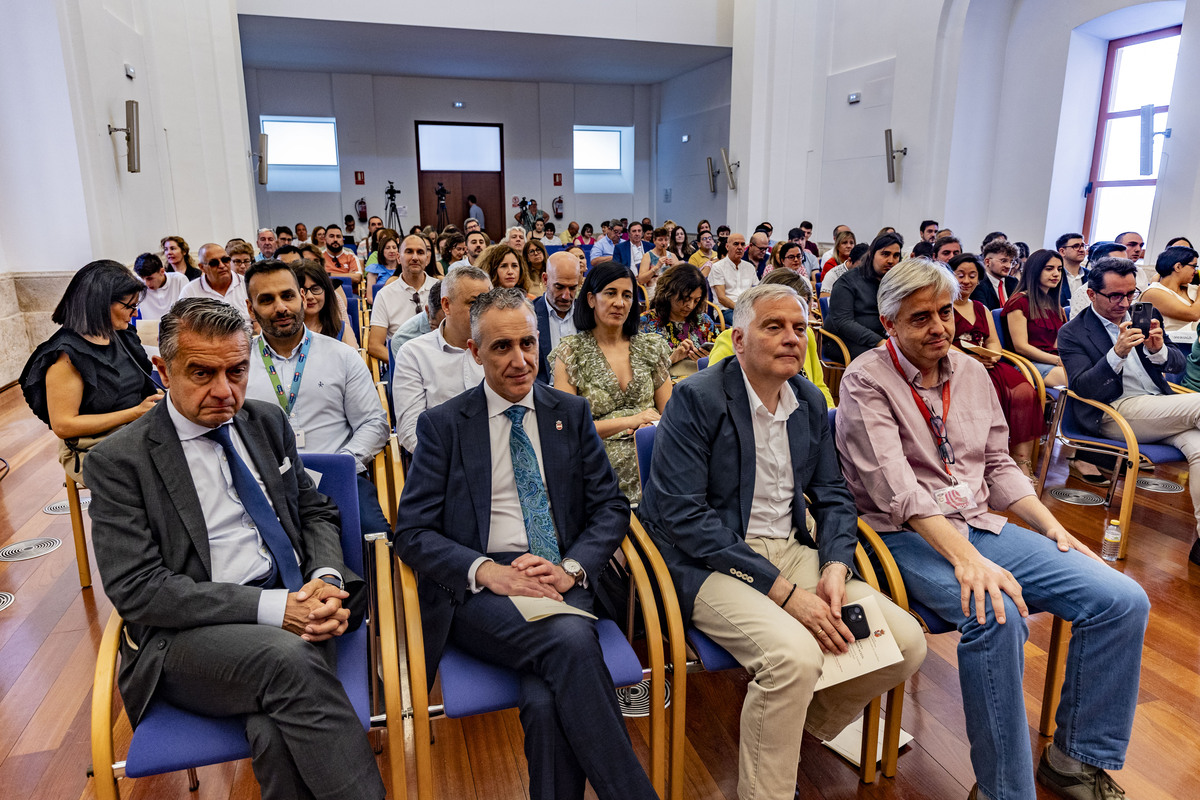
[{"x": 1108, "y": 614}]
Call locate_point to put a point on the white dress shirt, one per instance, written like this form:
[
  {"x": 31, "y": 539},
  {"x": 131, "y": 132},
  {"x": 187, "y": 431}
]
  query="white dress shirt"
[
  {"x": 394, "y": 304},
  {"x": 1135, "y": 381},
  {"x": 237, "y": 552},
  {"x": 735, "y": 278},
  {"x": 506, "y": 524},
  {"x": 337, "y": 407},
  {"x": 636, "y": 251},
  {"x": 428, "y": 372},
  {"x": 774, "y": 481},
  {"x": 559, "y": 327},
  {"x": 235, "y": 295},
  {"x": 157, "y": 302}
]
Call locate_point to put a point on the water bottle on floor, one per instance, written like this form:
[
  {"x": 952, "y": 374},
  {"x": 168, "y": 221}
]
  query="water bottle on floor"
[{"x": 1112, "y": 541}]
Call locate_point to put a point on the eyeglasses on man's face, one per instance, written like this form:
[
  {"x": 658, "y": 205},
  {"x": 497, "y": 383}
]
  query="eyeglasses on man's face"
[
  {"x": 1117, "y": 297},
  {"x": 212, "y": 263}
]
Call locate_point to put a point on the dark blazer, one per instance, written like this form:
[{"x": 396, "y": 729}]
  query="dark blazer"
[
  {"x": 444, "y": 515},
  {"x": 152, "y": 542},
  {"x": 854, "y": 313},
  {"x": 1065, "y": 295},
  {"x": 622, "y": 253},
  {"x": 1083, "y": 346},
  {"x": 986, "y": 293},
  {"x": 542, "y": 311},
  {"x": 696, "y": 503}
]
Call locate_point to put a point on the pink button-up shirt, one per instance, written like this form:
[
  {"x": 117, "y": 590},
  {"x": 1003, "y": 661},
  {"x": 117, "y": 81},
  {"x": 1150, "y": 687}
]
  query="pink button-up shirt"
[{"x": 889, "y": 455}]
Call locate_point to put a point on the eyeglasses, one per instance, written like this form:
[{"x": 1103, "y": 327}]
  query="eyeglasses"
[
  {"x": 945, "y": 450},
  {"x": 313, "y": 290},
  {"x": 1080, "y": 246},
  {"x": 793, "y": 257},
  {"x": 242, "y": 260},
  {"x": 1116, "y": 297},
  {"x": 416, "y": 298},
  {"x": 130, "y": 306},
  {"x": 213, "y": 262}
]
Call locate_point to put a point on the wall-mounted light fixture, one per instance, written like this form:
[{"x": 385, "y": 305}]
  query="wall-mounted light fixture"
[
  {"x": 729, "y": 170},
  {"x": 261, "y": 155},
  {"x": 889, "y": 154},
  {"x": 133, "y": 162}
]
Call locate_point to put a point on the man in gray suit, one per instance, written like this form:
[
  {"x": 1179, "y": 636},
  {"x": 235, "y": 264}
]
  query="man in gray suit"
[{"x": 225, "y": 561}]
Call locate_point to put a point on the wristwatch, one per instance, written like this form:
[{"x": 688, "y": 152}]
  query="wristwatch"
[{"x": 573, "y": 569}]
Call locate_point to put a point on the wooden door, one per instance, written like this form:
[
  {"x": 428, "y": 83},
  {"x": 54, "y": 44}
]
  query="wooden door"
[{"x": 488, "y": 188}]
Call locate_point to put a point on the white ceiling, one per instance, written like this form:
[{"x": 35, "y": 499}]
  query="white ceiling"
[{"x": 354, "y": 47}]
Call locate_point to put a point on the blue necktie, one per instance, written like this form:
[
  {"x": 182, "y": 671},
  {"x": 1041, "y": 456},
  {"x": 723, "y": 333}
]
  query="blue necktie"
[
  {"x": 531, "y": 491},
  {"x": 259, "y": 509}
]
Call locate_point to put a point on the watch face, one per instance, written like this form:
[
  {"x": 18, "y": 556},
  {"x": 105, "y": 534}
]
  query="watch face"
[{"x": 572, "y": 567}]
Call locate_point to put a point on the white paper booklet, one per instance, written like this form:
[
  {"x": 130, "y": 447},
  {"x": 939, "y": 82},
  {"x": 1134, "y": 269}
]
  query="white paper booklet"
[
  {"x": 865, "y": 655},
  {"x": 535, "y": 608}
]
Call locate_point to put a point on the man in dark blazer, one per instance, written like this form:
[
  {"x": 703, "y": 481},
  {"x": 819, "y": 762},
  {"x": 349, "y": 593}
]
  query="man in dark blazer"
[
  {"x": 998, "y": 256},
  {"x": 556, "y": 308},
  {"x": 480, "y": 522},
  {"x": 630, "y": 251},
  {"x": 230, "y": 604},
  {"x": 1095, "y": 348},
  {"x": 736, "y": 451}
]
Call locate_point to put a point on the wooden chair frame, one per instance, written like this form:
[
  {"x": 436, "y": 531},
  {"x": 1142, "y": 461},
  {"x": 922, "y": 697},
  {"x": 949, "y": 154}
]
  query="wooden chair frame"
[
  {"x": 833, "y": 371},
  {"x": 422, "y": 712},
  {"x": 82, "y": 561},
  {"x": 716, "y": 313}
]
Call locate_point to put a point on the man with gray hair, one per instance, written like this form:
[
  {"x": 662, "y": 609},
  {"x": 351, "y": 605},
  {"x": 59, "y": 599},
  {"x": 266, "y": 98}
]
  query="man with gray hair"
[
  {"x": 436, "y": 366},
  {"x": 749, "y": 572},
  {"x": 267, "y": 242},
  {"x": 218, "y": 280},
  {"x": 924, "y": 448},
  {"x": 225, "y": 563},
  {"x": 606, "y": 245},
  {"x": 480, "y": 522}
]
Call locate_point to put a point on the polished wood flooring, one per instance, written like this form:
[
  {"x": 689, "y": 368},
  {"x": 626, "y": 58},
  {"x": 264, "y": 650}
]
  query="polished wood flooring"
[{"x": 48, "y": 640}]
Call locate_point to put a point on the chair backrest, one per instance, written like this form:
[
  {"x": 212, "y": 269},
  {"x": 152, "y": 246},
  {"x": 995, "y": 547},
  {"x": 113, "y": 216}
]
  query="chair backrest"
[
  {"x": 824, "y": 301},
  {"x": 832, "y": 421},
  {"x": 643, "y": 440},
  {"x": 390, "y": 372},
  {"x": 702, "y": 362},
  {"x": 1001, "y": 331},
  {"x": 339, "y": 483}
]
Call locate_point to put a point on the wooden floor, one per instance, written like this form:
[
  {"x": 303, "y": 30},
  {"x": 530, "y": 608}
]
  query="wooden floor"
[{"x": 48, "y": 640}]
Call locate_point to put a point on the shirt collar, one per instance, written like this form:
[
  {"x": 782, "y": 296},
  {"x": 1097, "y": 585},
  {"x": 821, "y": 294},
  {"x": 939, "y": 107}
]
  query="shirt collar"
[
  {"x": 285, "y": 356},
  {"x": 440, "y": 335},
  {"x": 1115, "y": 330},
  {"x": 185, "y": 429},
  {"x": 912, "y": 375},
  {"x": 497, "y": 405},
  {"x": 551, "y": 309},
  {"x": 783, "y": 409}
]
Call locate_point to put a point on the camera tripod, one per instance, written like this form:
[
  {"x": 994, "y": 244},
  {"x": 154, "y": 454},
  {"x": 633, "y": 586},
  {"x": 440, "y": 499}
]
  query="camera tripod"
[{"x": 393, "y": 216}]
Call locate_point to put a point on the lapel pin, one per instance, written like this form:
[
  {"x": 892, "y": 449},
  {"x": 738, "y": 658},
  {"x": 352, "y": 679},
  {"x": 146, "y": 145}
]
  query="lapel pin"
[{"x": 558, "y": 424}]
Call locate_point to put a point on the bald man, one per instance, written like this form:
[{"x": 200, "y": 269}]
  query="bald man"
[
  {"x": 403, "y": 299},
  {"x": 218, "y": 280},
  {"x": 556, "y": 308}
]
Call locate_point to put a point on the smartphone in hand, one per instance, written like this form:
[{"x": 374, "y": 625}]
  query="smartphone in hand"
[
  {"x": 1141, "y": 314},
  {"x": 856, "y": 620}
]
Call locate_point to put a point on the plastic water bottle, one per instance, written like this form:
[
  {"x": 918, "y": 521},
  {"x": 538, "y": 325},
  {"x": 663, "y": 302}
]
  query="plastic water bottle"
[{"x": 1112, "y": 541}]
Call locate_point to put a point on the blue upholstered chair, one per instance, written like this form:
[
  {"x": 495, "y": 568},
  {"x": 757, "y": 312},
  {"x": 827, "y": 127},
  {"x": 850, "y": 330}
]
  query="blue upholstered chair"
[{"x": 169, "y": 739}]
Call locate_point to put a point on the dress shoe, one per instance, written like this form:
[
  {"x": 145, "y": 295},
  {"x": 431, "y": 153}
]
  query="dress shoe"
[
  {"x": 1092, "y": 783},
  {"x": 1096, "y": 479}
]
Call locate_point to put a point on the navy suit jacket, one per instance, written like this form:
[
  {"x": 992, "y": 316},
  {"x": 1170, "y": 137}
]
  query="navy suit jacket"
[
  {"x": 622, "y": 253},
  {"x": 986, "y": 293},
  {"x": 444, "y": 516},
  {"x": 543, "y": 323},
  {"x": 1083, "y": 346},
  {"x": 696, "y": 502}
]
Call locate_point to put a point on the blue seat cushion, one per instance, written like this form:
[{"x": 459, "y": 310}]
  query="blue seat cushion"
[
  {"x": 471, "y": 686},
  {"x": 169, "y": 739},
  {"x": 712, "y": 656}
]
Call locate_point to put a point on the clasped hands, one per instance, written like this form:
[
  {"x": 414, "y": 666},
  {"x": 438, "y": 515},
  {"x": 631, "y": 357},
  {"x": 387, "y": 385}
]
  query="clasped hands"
[
  {"x": 819, "y": 611},
  {"x": 315, "y": 612},
  {"x": 527, "y": 576}
]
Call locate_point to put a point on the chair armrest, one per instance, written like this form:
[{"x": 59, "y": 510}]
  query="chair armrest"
[
  {"x": 417, "y": 681},
  {"x": 1180, "y": 388},
  {"x": 389, "y": 656},
  {"x": 103, "y": 684},
  {"x": 1131, "y": 443},
  {"x": 654, "y": 647},
  {"x": 1029, "y": 371},
  {"x": 841, "y": 345}
]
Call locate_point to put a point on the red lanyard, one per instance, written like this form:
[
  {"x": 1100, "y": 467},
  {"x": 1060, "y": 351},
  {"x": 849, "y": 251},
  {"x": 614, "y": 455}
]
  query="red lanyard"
[{"x": 925, "y": 410}]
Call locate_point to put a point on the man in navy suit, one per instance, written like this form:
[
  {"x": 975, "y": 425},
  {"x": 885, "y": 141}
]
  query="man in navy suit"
[
  {"x": 1096, "y": 347},
  {"x": 630, "y": 252},
  {"x": 479, "y": 522},
  {"x": 725, "y": 502},
  {"x": 997, "y": 285},
  {"x": 555, "y": 309}
]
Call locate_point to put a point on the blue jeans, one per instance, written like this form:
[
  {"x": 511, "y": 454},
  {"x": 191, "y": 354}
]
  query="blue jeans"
[{"x": 1108, "y": 614}]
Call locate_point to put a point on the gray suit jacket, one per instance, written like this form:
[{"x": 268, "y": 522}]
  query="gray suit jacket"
[{"x": 151, "y": 540}]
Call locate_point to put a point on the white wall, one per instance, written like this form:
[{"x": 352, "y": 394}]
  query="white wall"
[{"x": 376, "y": 135}]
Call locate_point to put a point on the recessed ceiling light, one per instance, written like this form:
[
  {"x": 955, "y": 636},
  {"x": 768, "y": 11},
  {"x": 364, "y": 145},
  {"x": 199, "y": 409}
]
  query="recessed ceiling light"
[
  {"x": 458, "y": 104},
  {"x": 685, "y": 137}
]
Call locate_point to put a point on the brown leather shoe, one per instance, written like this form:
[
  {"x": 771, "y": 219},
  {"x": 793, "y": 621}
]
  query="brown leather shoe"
[{"x": 1091, "y": 784}]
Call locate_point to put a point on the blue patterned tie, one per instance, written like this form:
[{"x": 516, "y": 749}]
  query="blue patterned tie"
[
  {"x": 259, "y": 509},
  {"x": 535, "y": 505}
]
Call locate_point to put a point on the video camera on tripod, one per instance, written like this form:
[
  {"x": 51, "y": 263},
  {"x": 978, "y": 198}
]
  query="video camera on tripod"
[{"x": 441, "y": 191}]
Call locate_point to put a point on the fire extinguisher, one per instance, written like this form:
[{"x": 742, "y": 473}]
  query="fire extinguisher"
[
  {"x": 361, "y": 209},
  {"x": 557, "y": 205}
]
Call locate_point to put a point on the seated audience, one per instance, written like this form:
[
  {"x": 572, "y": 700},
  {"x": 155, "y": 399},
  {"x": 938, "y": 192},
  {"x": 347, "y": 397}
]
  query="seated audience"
[
  {"x": 323, "y": 386},
  {"x": 853, "y": 309},
  {"x": 705, "y": 257},
  {"x": 516, "y": 238},
  {"x": 386, "y": 262},
  {"x": 586, "y": 237},
  {"x": 505, "y": 268},
  {"x": 731, "y": 276},
  {"x": 606, "y": 245},
  {"x": 974, "y": 327},
  {"x": 246, "y": 628},
  {"x": 834, "y": 275},
  {"x": 178, "y": 257},
  {"x": 1034, "y": 314},
  {"x": 339, "y": 260},
  {"x": 321, "y": 313},
  {"x": 655, "y": 260},
  {"x": 1181, "y": 241},
  {"x": 555, "y": 310},
  {"x": 946, "y": 247},
  {"x": 567, "y": 237},
  {"x": 476, "y": 242},
  {"x": 677, "y": 313},
  {"x": 924, "y": 473},
  {"x": 402, "y": 299},
  {"x": 1096, "y": 347},
  {"x": 786, "y": 255},
  {"x": 929, "y": 230},
  {"x": 318, "y": 238},
  {"x": 581, "y": 256},
  {"x": 266, "y": 243},
  {"x": 162, "y": 288},
  {"x": 535, "y": 256},
  {"x": 520, "y": 433},
  {"x": 842, "y": 245},
  {"x": 311, "y": 252},
  {"x": 91, "y": 376},
  {"x": 758, "y": 249},
  {"x": 1072, "y": 250},
  {"x": 283, "y": 236},
  {"x": 453, "y": 249},
  {"x": 218, "y": 280},
  {"x": 812, "y": 371},
  {"x": 437, "y": 366},
  {"x": 241, "y": 256},
  {"x": 285, "y": 253},
  {"x": 680, "y": 247},
  {"x": 368, "y": 245},
  {"x": 630, "y": 252},
  {"x": 1174, "y": 294},
  {"x": 422, "y": 323},
  {"x": 301, "y": 234},
  {"x": 997, "y": 286},
  {"x": 749, "y": 572},
  {"x": 625, "y": 375}
]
